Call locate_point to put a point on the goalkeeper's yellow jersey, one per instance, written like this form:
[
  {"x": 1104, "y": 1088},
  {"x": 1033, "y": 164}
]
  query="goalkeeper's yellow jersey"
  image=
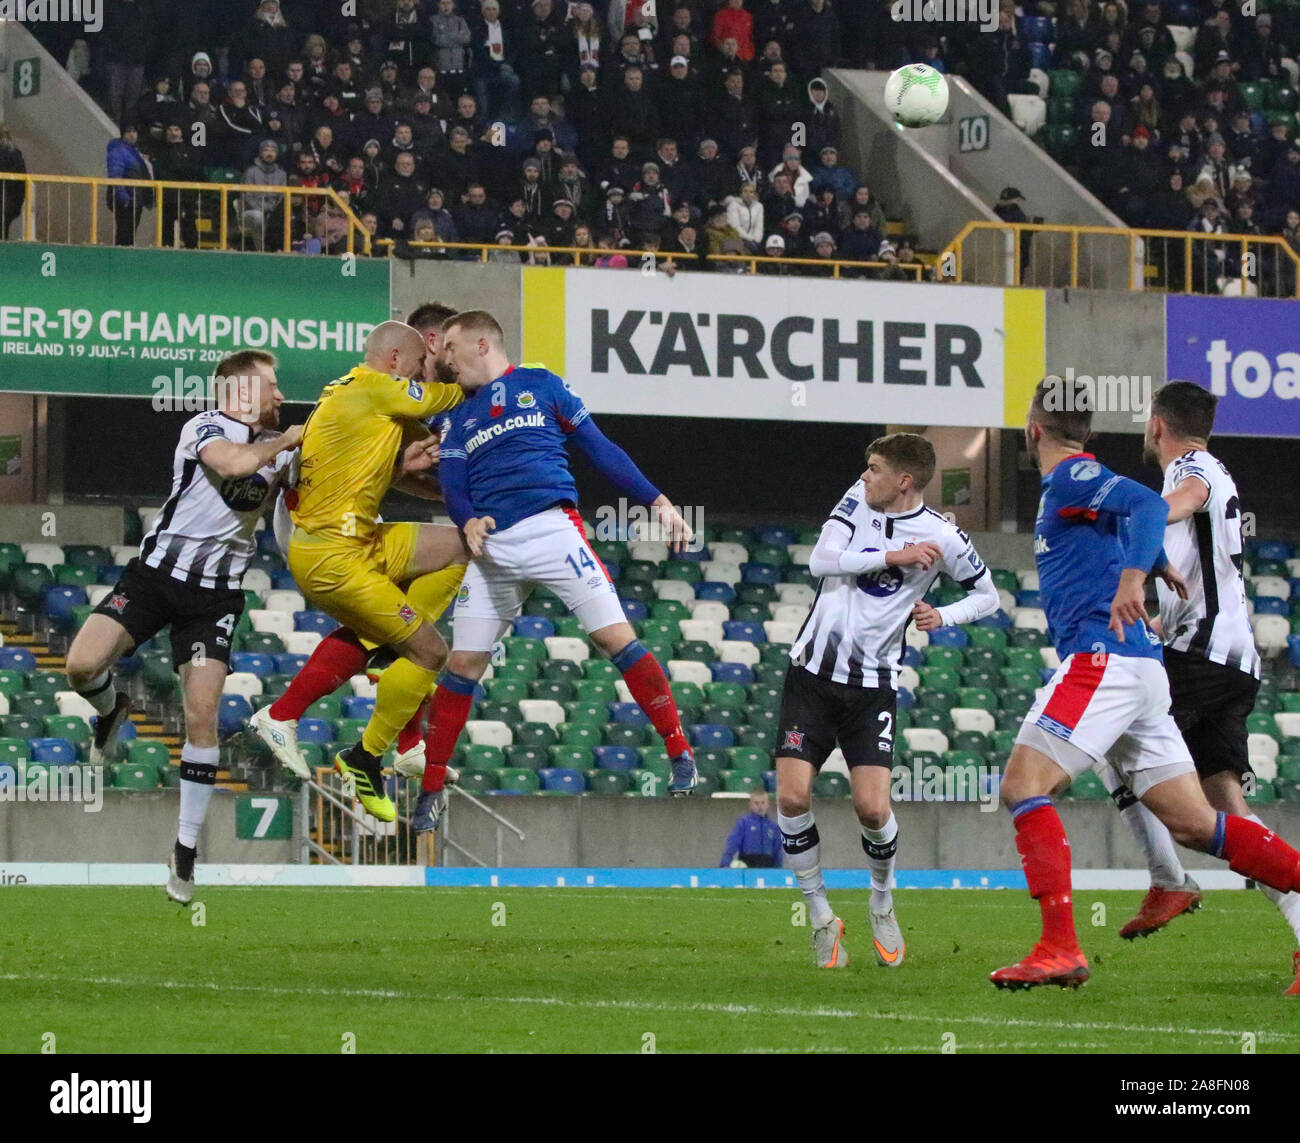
[{"x": 351, "y": 444}]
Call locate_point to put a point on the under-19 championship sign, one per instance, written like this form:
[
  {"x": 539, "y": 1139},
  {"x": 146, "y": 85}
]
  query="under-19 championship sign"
[{"x": 123, "y": 322}]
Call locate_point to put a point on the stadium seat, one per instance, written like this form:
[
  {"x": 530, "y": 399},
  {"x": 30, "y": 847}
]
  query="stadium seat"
[
  {"x": 926, "y": 739},
  {"x": 301, "y": 642},
  {"x": 562, "y": 780},
  {"x": 484, "y": 732},
  {"x": 53, "y": 751},
  {"x": 607, "y": 783},
  {"x": 517, "y": 781},
  {"x": 279, "y": 623},
  {"x": 242, "y": 683},
  {"x": 316, "y": 621},
  {"x": 712, "y": 736},
  {"x": 233, "y": 711},
  {"x": 575, "y": 650},
  {"x": 610, "y": 757},
  {"x": 739, "y": 651},
  {"x": 71, "y": 704},
  {"x": 799, "y": 594},
  {"x": 978, "y": 719}
]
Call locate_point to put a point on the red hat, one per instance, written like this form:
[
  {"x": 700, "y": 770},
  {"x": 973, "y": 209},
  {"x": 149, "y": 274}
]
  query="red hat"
[{"x": 1141, "y": 133}]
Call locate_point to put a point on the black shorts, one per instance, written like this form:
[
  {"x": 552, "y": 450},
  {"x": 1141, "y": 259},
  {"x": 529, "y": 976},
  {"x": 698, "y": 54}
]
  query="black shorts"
[
  {"x": 1211, "y": 703},
  {"x": 202, "y": 619},
  {"x": 816, "y": 714}
]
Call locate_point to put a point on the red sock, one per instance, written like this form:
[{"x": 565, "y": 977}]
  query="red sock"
[
  {"x": 409, "y": 736},
  {"x": 1254, "y": 851},
  {"x": 649, "y": 686},
  {"x": 1045, "y": 855},
  {"x": 448, "y": 710},
  {"x": 336, "y": 659}
]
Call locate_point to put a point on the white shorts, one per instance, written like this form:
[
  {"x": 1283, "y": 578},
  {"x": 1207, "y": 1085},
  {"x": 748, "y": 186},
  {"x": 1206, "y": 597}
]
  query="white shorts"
[
  {"x": 549, "y": 548},
  {"x": 1112, "y": 709}
]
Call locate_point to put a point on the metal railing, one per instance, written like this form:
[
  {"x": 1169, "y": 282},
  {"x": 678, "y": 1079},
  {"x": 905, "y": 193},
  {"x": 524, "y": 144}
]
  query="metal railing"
[
  {"x": 502, "y": 824},
  {"x": 90, "y": 211},
  {"x": 1094, "y": 257}
]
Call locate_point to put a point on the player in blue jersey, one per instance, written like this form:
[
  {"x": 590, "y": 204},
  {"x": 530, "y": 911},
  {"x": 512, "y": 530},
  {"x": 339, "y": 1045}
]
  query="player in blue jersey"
[
  {"x": 1096, "y": 539},
  {"x": 506, "y": 481}
]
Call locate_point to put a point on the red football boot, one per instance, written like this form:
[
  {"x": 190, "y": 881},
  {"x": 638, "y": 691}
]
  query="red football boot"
[
  {"x": 1160, "y": 906},
  {"x": 1294, "y": 990},
  {"x": 1045, "y": 965}
]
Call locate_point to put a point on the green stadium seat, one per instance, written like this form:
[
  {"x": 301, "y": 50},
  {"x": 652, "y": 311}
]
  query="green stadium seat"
[
  {"x": 584, "y": 716},
  {"x": 30, "y": 582},
  {"x": 716, "y": 715},
  {"x": 525, "y": 670},
  {"x": 516, "y": 781},
  {"x": 568, "y": 627},
  {"x": 1018, "y": 700},
  {"x": 72, "y": 575},
  {"x": 628, "y": 734},
  {"x": 986, "y": 637},
  {"x": 527, "y": 757},
  {"x": 929, "y": 719},
  {"x": 641, "y": 592},
  {"x": 13, "y": 750},
  {"x": 595, "y": 691},
  {"x": 760, "y": 736},
  {"x": 937, "y": 700},
  {"x": 506, "y": 690},
  {"x": 552, "y": 690},
  {"x": 938, "y": 656},
  {"x": 125, "y": 776},
  {"x": 655, "y": 759},
  {"x": 607, "y": 783},
  {"x": 939, "y": 679},
  {"x": 499, "y": 712},
  {"x": 750, "y": 759},
  {"x": 540, "y": 734},
  {"x": 711, "y": 763},
  {"x": 1088, "y": 787},
  {"x": 570, "y": 757},
  {"x": 739, "y": 782},
  {"x": 329, "y": 708},
  {"x": 1257, "y": 723},
  {"x": 1004, "y": 741},
  {"x": 695, "y": 650},
  {"x": 1252, "y": 95},
  {"x": 1021, "y": 637},
  {"x": 775, "y": 655},
  {"x": 647, "y": 783},
  {"x": 751, "y": 612},
  {"x": 11, "y": 556},
  {"x": 68, "y": 726},
  {"x": 479, "y": 782},
  {"x": 1013, "y": 678},
  {"x": 660, "y": 630},
  {"x": 12, "y": 683},
  {"x": 639, "y": 571},
  {"x": 610, "y": 551},
  {"x": 977, "y": 698},
  {"x": 669, "y": 610},
  {"x": 38, "y": 706},
  {"x": 156, "y": 672},
  {"x": 985, "y": 658},
  {"x": 970, "y": 741},
  {"x": 1263, "y": 794},
  {"x": 1062, "y": 83},
  {"x": 681, "y": 571},
  {"x": 482, "y": 757},
  {"x": 47, "y": 683},
  {"x": 561, "y": 671},
  {"x": 262, "y": 642},
  {"x": 830, "y": 785},
  {"x": 520, "y": 647},
  {"x": 1009, "y": 720},
  {"x": 146, "y": 752}
]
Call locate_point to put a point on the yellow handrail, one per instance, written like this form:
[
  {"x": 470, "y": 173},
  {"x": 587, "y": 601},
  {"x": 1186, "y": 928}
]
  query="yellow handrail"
[{"x": 956, "y": 262}]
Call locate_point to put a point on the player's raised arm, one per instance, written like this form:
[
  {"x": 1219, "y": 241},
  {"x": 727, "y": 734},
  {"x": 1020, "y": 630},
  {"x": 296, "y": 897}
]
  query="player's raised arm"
[
  {"x": 232, "y": 461},
  {"x": 962, "y": 562},
  {"x": 831, "y": 557}
]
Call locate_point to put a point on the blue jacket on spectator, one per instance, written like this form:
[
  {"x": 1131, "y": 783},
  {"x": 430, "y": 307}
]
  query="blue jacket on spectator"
[
  {"x": 125, "y": 162},
  {"x": 753, "y": 834},
  {"x": 840, "y": 179}
]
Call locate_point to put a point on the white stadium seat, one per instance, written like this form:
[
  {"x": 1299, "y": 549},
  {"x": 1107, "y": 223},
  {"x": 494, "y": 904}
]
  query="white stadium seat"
[
  {"x": 274, "y": 622},
  {"x": 1261, "y": 746},
  {"x": 1293, "y": 566},
  {"x": 242, "y": 683},
  {"x": 147, "y": 516},
  {"x": 926, "y": 738},
  {"x": 362, "y": 687},
  {"x": 1006, "y": 600},
  {"x": 1051, "y": 659},
  {"x": 709, "y": 611},
  {"x": 485, "y": 732},
  {"x": 1271, "y": 633},
  {"x": 721, "y": 571},
  {"x": 914, "y": 638},
  {"x": 689, "y": 671},
  {"x": 835, "y": 763},
  {"x": 95, "y": 593},
  {"x": 71, "y": 703},
  {"x": 300, "y": 642},
  {"x": 1272, "y": 587},
  {"x": 795, "y": 593},
  {"x": 1183, "y": 36},
  {"x": 706, "y": 630},
  {"x": 4, "y": 705},
  {"x": 542, "y": 710},
  {"x": 908, "y": 678},
  {"x": 972, "y": 718},
  {"x": 1032, "y": 618},
  {"x": 738, "y": 651},
  {"x": 789, "y": 612},
  {"x": 1265, "y": 767},
  {"x": 1028, "y": 112},
  {"x": 561, "y": 647},
  {"x": 289, "y": 601},
  {"x": 48, "y": 554},
  {"x": 123, "y": 554},
  {"x": 800, "y": 554},
  {"x": 781, "y": 632},
  {"x": 1028, "y": 578},
  {"x": 256, "y": 580},
  {"x": 623, "y": 691},
  {"x": 1288, "y": 724},
  {"x": 652, "y": 551},
  {"x": 674, "y": 589},
  {"x": 726, "y": 552}
]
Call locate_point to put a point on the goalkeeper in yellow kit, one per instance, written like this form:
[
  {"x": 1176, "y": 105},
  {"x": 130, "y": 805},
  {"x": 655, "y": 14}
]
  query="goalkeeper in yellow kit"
[{"x": 351, "y": 566}]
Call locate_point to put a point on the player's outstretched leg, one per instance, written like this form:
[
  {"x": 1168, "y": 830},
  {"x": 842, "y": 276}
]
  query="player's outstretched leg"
[
  {"x": 802, "y": 846},
  {"x": 1172, "y": 892},
  {"x": 448, "y": 711},
  {"x": 880, "y": 844},
  {"x": 97, "y": 646},
  {"x": 1044, "y": 850}
]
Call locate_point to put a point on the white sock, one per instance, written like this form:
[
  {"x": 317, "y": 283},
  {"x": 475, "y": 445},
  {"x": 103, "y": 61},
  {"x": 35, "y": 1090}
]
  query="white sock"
[
  {"x": 198, "y": 778},
  {"x": 1157, "y": 843},
  {"x": 803, "y": 854},
  {"x": 100, "y": 693},
  {"x": 881, "y": 847},
  {"x": 1288, "y": 903}
]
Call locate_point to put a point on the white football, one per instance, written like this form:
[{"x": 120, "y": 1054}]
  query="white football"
[{"x": 916, "y": 95}]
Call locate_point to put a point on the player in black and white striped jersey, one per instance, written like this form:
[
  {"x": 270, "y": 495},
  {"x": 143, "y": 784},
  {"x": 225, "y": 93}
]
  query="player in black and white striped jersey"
[
  {"x": 1209, "y": 652},
  {"x": 878, "y": 554},
  {"x": 227, "y": 470}
]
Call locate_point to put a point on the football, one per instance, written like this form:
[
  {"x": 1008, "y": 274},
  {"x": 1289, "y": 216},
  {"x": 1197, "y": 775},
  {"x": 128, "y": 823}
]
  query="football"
[{"x": 916, "y": 95}]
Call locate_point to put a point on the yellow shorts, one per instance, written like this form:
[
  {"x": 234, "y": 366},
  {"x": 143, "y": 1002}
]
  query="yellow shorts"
[{"x": 358, "y": 583}]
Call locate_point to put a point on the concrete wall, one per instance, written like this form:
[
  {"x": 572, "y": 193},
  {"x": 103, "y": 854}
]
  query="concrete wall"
[
  {"x": 131, "y": 826},
  {"x": 72, "y": 524},
  {"x": 907, "y": 178},
  {"x": 465, "y": 285}
]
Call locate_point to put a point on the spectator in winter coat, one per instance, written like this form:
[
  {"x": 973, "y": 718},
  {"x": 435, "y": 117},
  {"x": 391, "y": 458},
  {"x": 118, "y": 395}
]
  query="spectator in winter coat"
[
  {"x": 732, "y": 116},
  {"x": 268, "y": 37},
  {"x": 712, "y": 178},
  {"x": 558, "y": 231},
  {"x": 541, "y": 61},
  {"x": 493, "y": 62},
  {"x": 821, "y": 119},
  {"x": 792, "y": 233},
  {"x": 720, "y": 237},
  {"x": 400, "y": 195},
  {"x": 779, "y": 108},
  {"x": 156, "y": 108},
  {"x": 779, "y": 202},
  {"x": 262, "y": 215},
  {"x": 745, "y": 216},
  {"x": 861, "y": 242},
  {"x": 747, "y": 170},
  {"x": 124, "y": 161},
  {"x": 824, "y": 250},
  {"x": 242, "y": 124},
  {"x": 817, "y": 39},
  {"x": 126, "y": 50},
  {"x": 862, "y": 197},
  {"x": 731, "y": 21},
  {"x": 178, "y": 162},
  {"x": 476, "y": 219},
  {"x": 800, "y": 177},
  {"x": 632, "y": 111},
  {"x": 649, "y": 204},
  {"x": 679, "y": 102},
  {"x": 830, "y": 173},
  {"x": 451, "y": 39},
  {"x": 755, "y": 839},
  {"x": 774, "y": 248},
  {"x": 613, "y": 220},
  {"x": 822, "y": 212}
]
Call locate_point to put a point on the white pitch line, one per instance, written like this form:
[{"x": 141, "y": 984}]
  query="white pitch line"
[{"x": 648, "y": 1006}]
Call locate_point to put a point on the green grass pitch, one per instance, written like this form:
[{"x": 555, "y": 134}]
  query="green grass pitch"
[{"x": 591, "y": 970}]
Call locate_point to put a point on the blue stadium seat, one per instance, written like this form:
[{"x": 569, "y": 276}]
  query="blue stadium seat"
[
  {"x": 912, "y": 656},
  {"x": 266, "y": 541},
  {"x": 318, "y": 730},
  {"x": 949, "y": 637},
  {"x": 562, "y": 779},
  {"x": 314, "y": 621},
  {"x": 616, "y": 757},
  {"x": 1046, "y": 673},
  {"x": 628, "y": 713},
  {"x": 744, "y": 632},
  {"x": 356, "y": 707},
  {"x": 284, "y": 581},
  {"x": 1293, "y": 650},
  {"x": 59, "y": 602},
  {"x": 760, "y": 573},
  {"x": 1268, "y": 605},
  {"x": 533, "y": 627},
  {"x": 998, "y": 619},
  {"x": 17, "y": 659},
  {"x": 56, "y": 751},
  {"x": 1036, "y": 29},
  {"x": 287, "y": 664},
  {"x": 109, "y": 574},
  {"x": 253, "y": 663},
  {"x": 127, "y": 731},
  {"x": 906, "y": 700},
  {"x": 1029, "y": 599},
  {"x": 773, "y": 535},
  {"x": 769, "y": 782},
  {"x": 635, "y": 610},
  {"x": 232, "y": 712},
  {"x": 1040, "y": 56},
  {"x": 1273, "y": 550},
  {"x": 732, "y": 673},
  {"x": 710, "y": 736},
  {"x": 715, "y": 590},
  {"x": 698, "y": 556},
  {"x": 128, "y": 665},
  {"x": 614, "y": 571}
]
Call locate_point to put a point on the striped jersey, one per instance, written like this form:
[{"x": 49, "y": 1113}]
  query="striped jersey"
[
  {"x": 203, "y": 536},
  {"x": 855, "y": 627},
  {"x": 1205, "y": 549}
]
